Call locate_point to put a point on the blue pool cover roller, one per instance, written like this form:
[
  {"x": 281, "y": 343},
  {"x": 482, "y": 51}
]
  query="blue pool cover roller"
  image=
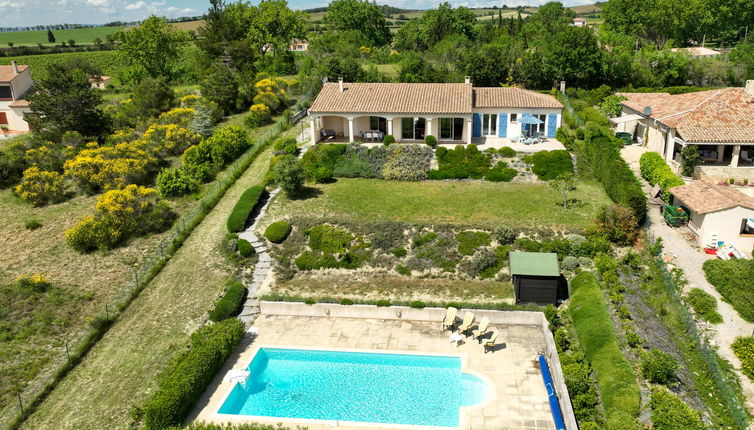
[{"x": 557, "y": 416}]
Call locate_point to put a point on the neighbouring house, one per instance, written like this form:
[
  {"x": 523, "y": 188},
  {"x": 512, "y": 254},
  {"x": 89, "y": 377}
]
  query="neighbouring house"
[
  {"x": 100, "y": 82},
  {"x": 698, "y": 51},
  {"x": 15, "y": 83},
  {"x": 459, "y": 113},
  {"x": 579, "y": 22},
  {"x": 720, "y": 123},
  {"x": 299, "y": 45},
  {"x": 717, "y": 213},
  {"x": 536, "y": 276}
]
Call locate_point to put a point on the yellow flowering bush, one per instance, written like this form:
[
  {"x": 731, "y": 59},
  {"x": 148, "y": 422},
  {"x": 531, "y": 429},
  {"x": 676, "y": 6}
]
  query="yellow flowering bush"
[
  {"x": 259, "y": 114},
  {"x": 268, "y": 99},
  {"x": 267, "y": 85},
  {"x": 123, "y": 135},
  {"x": 171, "y": 138},
  {"x": 40, "y": 187},
  {"x": 35, "y": 282},
  {"x": 181, "y": 116},
  {"x": 49, "y": 156},
  {"x": 111, "y": 167},
  {"x": 743, "y": 347},
  {"x": 120, "y": 215},
  {"x": 189, "y": 101}
]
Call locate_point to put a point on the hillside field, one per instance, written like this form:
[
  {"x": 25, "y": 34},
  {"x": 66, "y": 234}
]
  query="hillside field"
[{"x": 82, "y": 36}]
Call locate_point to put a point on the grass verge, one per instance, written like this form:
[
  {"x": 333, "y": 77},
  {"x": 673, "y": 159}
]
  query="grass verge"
[{"x": 734, "y": 279}]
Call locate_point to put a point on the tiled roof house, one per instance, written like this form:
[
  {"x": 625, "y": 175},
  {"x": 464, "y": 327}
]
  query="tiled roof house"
[
  {"x": 410, "y": 112},
  {"x": 15, "y": 83}
]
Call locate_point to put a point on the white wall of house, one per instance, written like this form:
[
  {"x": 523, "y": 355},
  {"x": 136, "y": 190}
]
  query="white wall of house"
[
  {"x": 361, "y": 123},
  {"x": 514, "y": 128},
  {"x": 14, "y": 117},
  {"x": 726, "y": 224}
]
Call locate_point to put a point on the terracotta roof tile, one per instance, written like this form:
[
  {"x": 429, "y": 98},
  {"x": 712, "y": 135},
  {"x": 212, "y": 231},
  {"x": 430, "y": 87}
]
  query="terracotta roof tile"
[
  {"x": 401, "y": 98},
  {"x": 703, "y": 197},
  {"x": 716, "y": 116},
  {"x": 511, "y": 97},
  {"x": 7, "y": 75}
]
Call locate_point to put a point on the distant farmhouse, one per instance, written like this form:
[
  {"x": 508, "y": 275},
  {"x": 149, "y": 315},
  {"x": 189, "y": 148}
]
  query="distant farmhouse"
[
  {"x": 698, "y": 52},
  {"x": 579, "y": 22},
  {"x": 299, "y": 45},
  {"x": 15, "y": 83}
]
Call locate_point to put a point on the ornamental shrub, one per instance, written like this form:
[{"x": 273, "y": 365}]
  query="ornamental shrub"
[
  {"x": 259, "y": 115},
  {"x": 549, "y": 165},
  {"x": 569, "y": 263},
  {"x": 504, "y": 235},
  {"x": 704, "y": 305},
  {"x": 482, "y": 260},
  {"x": 288, "y": 174},
  {"x": 104, "y": 168},
  {"x": 229, "y": 305},
  {"x": 189, "y": 374},
  {"x": 171, "y": 139},
  {"x": 321, "y": 175},
  {"x": 244, "y": 248},
  {"x": 278, "y": 231},
  {"x": 178, "y": 116},
  {"x": 40, "y": 187},
  {"x": 616, "y": 223},
  {"x": 176, "y": 182},
  {"x": 461, "y": 163},
  {"x": 669, "y": 412},
  {"x": 267, "y": 99},
  {"x": 382, "y": 303},
  {"x": 658, "y": 367},
  {"x": 286, "y": 146},
  {"x": 329, "y": 239},
  {"x": 243, "y": 208},
  {"x": 225, "y": 145},
  {"x": 388, "y": 140},
  {"x": 431, "y": 141},
  {"x": 469, "y": 241},
  {"x": 507, "y": 152},
  {"x": 417, "y": 305},
  {"x": 654, "y": 169},
  {"x": 500, "y": 173}
]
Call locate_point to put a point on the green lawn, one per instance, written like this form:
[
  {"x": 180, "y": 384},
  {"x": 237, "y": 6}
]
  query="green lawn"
[
  {"x": 478, "y": 203},
  {"x": 80, "y": 35},
  {"x": 734, "y": 279}
]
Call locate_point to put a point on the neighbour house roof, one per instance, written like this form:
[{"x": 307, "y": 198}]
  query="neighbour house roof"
[
  {"x": 511, "y": 97},
  {"x": 7, "y": 75},
  {"x": 725, "y": 115},
  {"x": 393, "y": 98},
  {"x": 703, "y": 197},
  {"x": 534, "y": 263}
]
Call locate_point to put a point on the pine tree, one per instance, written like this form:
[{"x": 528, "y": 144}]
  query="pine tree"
[{"x": 50, "y": 36}]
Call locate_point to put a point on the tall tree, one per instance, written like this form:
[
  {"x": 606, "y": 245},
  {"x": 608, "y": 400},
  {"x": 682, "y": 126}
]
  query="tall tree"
[
  {"x": 359, "y": 15},
  {"x": 435, "y": 25},
  {"x": 50, "y": 36},
  {"x": 152, "y": 48},
  {"x": 274, "y": 25},
  {"x": 63, "y": 100}
]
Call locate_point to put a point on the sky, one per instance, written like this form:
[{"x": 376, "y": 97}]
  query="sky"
[{"x": 21, "y": 13}]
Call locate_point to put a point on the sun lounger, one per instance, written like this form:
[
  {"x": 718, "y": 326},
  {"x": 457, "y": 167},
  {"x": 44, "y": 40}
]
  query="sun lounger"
[
  {"x": 481, "y": 330},
  {"x": 450, "y": 317},
  {"x": 468, "y": 321},
  {"x": 489, "y": 344}
]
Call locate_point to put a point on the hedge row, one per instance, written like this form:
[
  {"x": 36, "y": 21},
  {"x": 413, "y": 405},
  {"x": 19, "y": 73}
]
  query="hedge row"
[
  {"x": 396, "y": 162},
  {"x": 230, "y": 303},
  {"x": 549, "y": 165},
  {"x": 594, "y": 327},
  {"x": 656, "y": 171},
  {"x": 186, "y": 378},
  {"x": 602, "y": 151},
  {"x": 244, "y": 207}
]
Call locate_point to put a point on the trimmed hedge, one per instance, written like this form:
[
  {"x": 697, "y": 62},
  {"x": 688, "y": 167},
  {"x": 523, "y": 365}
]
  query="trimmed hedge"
[
  {"x": 186, "y": 378},
  {"x": 245, "y": 248},
  {"x": 549, "y": 165},
  {"x": 602, "y": 151},
  {"x": 278, "y": 231},
  {"x": 244, "y": 207},
  {"x": 733, "y": 280},
  {"x": 500, "y": 173},
  {"x": 230, "y": 303},
  {"x": 657, "y": 172},
  {"x": 460, "y": 163},
  {"x": 594, "y": 329}
]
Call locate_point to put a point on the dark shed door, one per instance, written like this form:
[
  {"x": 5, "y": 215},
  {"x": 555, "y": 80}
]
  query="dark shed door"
[{"x": 536, "y": 289}]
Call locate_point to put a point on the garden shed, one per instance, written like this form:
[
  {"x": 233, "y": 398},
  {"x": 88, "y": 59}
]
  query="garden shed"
[{"x": 535, "y": 277}]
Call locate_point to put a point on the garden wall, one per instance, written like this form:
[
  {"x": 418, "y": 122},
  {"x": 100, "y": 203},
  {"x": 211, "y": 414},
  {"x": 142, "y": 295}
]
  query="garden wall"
[{"x": 325, "y": 310}]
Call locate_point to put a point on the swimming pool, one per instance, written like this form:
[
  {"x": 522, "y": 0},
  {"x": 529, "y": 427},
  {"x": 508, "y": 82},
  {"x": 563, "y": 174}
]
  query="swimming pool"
[{"x": 355, "y": 386}]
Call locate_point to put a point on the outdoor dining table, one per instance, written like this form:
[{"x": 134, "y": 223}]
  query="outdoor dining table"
[{"x": 373, "y": 135}]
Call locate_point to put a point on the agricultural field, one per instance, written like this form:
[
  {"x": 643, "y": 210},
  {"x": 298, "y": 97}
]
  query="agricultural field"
[
  {"x": 482, "y": 204},
  {"x": 82, "y": 36},
  {"x": 109, "y": 62}
]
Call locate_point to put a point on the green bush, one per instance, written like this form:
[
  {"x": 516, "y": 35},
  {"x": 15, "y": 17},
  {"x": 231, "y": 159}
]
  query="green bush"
[
  {"x": 244, "y": 248},
  {"x": 669, "y": 412},
  {"x": 654, "y": 169},
  {"x": 417, "y": 305},
  {"x": 245, "y": 205},
  {"x": 176, "y": 182},
  {"x": 321, "y": 175},
  {"x": 230, "y": 303},
  {"x": 396, "y": 162},
  {"x": 594, "y": 329},
  {"x": 504, "y": 235},
  {"x": 704, "y": 305},
  {"x": 548, "y": 165},
  {"x": 399, "y": 252},
  {"x": 278, "y": 231},
  {"x": 431, "y": 141},
  {"x": 189, "y": 374},
  {"x": 388, "y": 140},
  {"x": 329, "y": 239},
  {"x": 32, "y": 224},
  {"x": 658, "y": 367},
  {"x": 382, "y": 303},
  {"x": 286, "y": 145},
  {"x": 460, "y": 163},
  {"x": 743, "y": 347},
  {"x": 732, "y": 279},
  {"x": 469, "y": 241},
  {"x": 507, "y": 152},
  {"x": 500, "y": 173},
  {"x": 346, "y": 302},
  {"x": 225, "y": 145},
  {"x": 403, "y": 270}
]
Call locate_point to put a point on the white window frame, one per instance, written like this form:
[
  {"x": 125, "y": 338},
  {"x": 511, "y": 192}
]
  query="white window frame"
[{"x": 490, "y": 120}]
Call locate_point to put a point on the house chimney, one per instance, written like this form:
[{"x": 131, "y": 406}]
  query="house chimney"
[
  {"x": 467, "y": 79},
  {"x": 562, "y": 87},
  {"x": 15, "y": 67},
  {"x": 340, "y": 84},
  {"x": 749, "y": 88}
]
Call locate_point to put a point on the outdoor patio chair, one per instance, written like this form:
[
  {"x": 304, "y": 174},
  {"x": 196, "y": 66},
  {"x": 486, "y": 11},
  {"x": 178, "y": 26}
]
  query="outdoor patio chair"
[
  {"x": 489, "y": 344},
  {"x": 481, "y": 330},
  {"x": 450, "y": 317},
  {"x": 327, "y": 134},
  {"x": 468, "y": 321},
  {"x": 746, "y": 158}
]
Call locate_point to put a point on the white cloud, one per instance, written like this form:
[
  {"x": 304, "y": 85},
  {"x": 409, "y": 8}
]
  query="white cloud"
[{"x": 139, "y": 5}]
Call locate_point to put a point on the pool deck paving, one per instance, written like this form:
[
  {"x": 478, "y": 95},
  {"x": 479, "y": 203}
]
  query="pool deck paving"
[{"x": 517, "y": 401}]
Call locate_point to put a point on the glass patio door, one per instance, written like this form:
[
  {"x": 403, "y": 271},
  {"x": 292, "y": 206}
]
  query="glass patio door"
[
  {"x": 489, "y": 124},
  {"x": 413, "y": 128}
]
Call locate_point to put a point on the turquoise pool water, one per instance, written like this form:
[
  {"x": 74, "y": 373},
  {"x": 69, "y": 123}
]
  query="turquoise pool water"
[{"x": 349, "y": 386}]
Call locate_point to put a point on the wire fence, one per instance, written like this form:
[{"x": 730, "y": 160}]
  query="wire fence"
[
  {"x": 567, "y": 103},
  {"x": 13, "y": 414}
]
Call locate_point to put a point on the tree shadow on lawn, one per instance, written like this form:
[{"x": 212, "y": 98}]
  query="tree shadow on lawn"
[
  {"x": 306, "y": 193},
  {"x": 572, "y": 204}
]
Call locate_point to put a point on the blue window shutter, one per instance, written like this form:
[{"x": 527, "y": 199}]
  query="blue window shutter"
[
  {"x": 476, "y": 128},
  {"x": 552, "y": 122},
  {"x": 502, "y": 125}
]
